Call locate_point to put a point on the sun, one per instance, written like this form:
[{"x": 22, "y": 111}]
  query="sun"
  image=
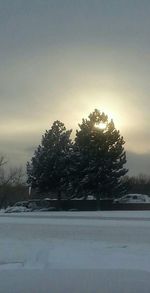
[{"x": 100, "y": 125}]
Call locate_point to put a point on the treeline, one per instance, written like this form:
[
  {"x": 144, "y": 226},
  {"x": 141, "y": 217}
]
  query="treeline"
[
  {"x": 94, "y": 163},
  {"x": 13, "y": 186},
  {"x": 138, "y": 184},
  {"x": 13, "y": 192}
]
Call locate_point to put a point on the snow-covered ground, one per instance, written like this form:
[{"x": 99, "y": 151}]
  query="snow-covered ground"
[{"x": 91, "y": 252}]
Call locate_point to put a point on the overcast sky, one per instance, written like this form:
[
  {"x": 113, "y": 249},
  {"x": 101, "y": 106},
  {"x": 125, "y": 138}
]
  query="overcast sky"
[{"x": 61, "y": 59}]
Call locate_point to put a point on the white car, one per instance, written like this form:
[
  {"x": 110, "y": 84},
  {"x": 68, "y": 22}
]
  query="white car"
[{"x": 133, "y": 198}]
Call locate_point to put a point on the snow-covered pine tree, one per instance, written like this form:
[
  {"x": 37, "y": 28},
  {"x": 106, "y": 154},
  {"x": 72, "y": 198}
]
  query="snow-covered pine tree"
[
  {"x": 102, "y": 156},
  {"x": 47, "y": 170}
]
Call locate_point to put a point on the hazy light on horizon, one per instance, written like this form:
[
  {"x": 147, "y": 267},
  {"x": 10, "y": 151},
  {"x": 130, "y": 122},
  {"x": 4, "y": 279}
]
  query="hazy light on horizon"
[{"x": 62, "y": 59}]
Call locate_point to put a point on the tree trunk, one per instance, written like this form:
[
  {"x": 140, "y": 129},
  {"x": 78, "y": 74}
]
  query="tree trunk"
[
  {"x": 98, "y": 202},
  {"x": 59, "y": 200}
]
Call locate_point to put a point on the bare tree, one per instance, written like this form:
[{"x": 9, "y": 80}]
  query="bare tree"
[
  {"x": 2, "y": 161},
  {"x": 9, "y": 178}
]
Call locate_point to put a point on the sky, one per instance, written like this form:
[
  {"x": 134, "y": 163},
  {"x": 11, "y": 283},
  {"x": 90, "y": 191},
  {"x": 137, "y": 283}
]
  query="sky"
[{"x": 61, "y": 59}]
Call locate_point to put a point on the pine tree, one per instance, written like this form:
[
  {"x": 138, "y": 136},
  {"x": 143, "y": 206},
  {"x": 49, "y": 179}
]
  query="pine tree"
[
  {"x": 102, "y": 156},
  {"x": 47, "y": 170},
  {"x": 73, "y": 186}
]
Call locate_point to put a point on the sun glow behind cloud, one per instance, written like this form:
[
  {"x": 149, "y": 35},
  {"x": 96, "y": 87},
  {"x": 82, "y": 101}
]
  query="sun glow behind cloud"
[{"x": 104, "y": 102}]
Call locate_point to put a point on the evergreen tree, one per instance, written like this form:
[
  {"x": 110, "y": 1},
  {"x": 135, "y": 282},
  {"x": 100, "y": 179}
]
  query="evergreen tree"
[
  {"x": 73, "y": 186},
  {"x": 102, "y": 156},
  {"x": 47, "y": 170}
]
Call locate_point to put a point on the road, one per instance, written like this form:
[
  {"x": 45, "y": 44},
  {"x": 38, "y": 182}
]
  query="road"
[
  {"x": 98, "y": 226},
  {"x": 75, "y": 252}
]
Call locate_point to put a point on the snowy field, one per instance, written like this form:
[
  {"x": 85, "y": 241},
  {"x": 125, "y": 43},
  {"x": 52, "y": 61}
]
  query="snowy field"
[{"x": 87, "y": 252}]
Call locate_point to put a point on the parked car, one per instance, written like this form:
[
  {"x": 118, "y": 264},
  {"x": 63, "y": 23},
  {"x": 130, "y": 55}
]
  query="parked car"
[
  {"x": 18, "y": 208},
  {"x": 133, "y": 198},
  {"x": 33, "y": 205}
]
